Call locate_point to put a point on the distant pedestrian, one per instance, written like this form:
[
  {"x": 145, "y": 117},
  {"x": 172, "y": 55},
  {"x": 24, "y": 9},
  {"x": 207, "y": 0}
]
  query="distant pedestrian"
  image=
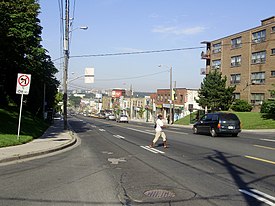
[
  {"x": 168, "y": 119},
  {"x": 159, "y": 132}
]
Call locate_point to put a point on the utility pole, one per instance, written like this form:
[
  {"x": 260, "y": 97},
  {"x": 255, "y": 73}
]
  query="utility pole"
[
  {"x": 66, "y": 62},
  {"x": 171, "y": 94}
]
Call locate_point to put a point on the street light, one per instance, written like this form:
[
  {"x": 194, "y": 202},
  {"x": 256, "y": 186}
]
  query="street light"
[
  {"x": 66, "y": 61},
  {"x": 171, "y": 94}
]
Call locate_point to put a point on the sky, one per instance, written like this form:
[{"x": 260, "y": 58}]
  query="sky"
[{"x": 126, "y": 26}]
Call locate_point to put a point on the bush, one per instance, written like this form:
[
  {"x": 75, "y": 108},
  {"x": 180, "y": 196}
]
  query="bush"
[
  {"x": 241, "y": 106},
  {"x": 268, "y": 107}
]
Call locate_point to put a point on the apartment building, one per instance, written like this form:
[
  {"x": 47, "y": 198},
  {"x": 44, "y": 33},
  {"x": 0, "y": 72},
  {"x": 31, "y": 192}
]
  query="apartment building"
[{"x": 247, "y": 59}]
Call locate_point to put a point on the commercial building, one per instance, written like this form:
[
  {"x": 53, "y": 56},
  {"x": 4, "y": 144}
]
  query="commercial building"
[{"x": 247, "y": 59}]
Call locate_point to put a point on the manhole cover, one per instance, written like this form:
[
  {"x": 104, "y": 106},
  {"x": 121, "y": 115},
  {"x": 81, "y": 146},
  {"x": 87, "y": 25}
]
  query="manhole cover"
[{"x": 159, "y": 193}]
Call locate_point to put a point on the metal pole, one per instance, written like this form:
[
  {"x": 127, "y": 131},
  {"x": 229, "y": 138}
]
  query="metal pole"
[
  {"x": 44, "y": 100},
  {"x": 66, "y": 62},
  {"x": 171, "y": 93},
  {"x": 19, "y": 123}
]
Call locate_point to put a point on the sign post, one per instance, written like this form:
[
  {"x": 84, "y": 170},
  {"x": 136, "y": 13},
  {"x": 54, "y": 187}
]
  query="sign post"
[{"x": 22, "y": 87}]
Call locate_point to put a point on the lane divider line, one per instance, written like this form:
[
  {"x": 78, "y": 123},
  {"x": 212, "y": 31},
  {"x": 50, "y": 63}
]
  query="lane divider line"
[
  {"x": 256, "y": 196},
  {"x": 152, "y": 149},
  {"x": 102, "y": 130},
  {"x": 268, "y": 140},
  {"x": 137, "y": 130},
  {"x": 271, "y": 148},
  {"x": 149, "y": 149},
  {"x": 259, "y": 159},
  {"x": 264, "y": 194},
  {"x": 119, "y": 136}
]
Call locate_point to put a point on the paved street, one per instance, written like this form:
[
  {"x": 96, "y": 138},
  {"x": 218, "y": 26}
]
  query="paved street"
[{"x": 113, "y": 165}]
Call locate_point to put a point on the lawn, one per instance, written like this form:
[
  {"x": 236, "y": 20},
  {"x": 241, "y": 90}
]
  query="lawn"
[
  {"x": 249, "y": 120},
  {"x": 30, "y": 127}
]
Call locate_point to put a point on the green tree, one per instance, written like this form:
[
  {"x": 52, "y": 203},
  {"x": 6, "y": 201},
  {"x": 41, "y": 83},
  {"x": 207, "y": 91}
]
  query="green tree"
[
  {"x": 214, "y": 94},
  {"x": 21, "y": 52},
  {"x": 141, "y": 111},
  {"x": 74, "y": 101}
]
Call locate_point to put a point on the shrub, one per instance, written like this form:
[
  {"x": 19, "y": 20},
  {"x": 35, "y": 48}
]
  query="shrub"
[
  {"x": 241, "y": 106},
  {"x": 268, "y": 107}
]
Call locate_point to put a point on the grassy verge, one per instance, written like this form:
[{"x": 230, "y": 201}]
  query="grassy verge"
[
  {"x": 30, "y": 127},
  {"x": 249, "y": 120}
]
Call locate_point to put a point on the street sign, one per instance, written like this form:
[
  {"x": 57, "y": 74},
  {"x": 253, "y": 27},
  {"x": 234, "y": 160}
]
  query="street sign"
[
  {"x": 22, "y": 87},
  {"x": 23, "y": 83},
  {"x": 89, "y": 75}
]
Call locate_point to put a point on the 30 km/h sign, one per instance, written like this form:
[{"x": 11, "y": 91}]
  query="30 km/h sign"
[{"x": 23, "y": 83}]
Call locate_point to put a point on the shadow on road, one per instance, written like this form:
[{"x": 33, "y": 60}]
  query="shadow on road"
[{"x": 235, "y": 171}]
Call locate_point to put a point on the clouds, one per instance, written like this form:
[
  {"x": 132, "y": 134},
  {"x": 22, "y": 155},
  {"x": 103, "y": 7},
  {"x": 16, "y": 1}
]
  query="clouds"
[{"x": 178, "y": 31}]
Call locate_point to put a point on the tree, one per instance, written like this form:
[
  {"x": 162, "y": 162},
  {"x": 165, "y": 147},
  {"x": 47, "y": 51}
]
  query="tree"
[
  {"x": 214, "y": 94},
  {"x": 21, "y": 52},
  {"x": 74, "y": 101}
]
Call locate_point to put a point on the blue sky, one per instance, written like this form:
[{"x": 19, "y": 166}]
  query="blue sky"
[{"x": 118, "y": 26}]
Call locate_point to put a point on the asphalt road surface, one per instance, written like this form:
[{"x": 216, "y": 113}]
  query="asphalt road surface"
[{"x": 113, "y": 165}]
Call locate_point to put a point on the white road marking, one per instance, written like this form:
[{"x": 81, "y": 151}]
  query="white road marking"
[
  {"x": 152, "y": 149},
  {"x": 102, "y": 130},
  {"x": 119, "y": 137},
  {"x": 268, "y": 140},
  {"x": 137, "y": 130},
  {"x": 264, "y": 147},
  {"x": 260, "y": 198},
  {"x": 264, "y": 194}
]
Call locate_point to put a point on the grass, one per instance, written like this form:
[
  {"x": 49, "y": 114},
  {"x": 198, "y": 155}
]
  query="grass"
[
  {"x": 30, "y": 127},
  {"x": 249, "y": 120}
]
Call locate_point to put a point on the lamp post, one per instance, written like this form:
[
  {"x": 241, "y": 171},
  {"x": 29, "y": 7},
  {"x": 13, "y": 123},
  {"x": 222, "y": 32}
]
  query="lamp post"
[
  {"x": 66, "y": 62},
  {"x": 171, "y": 94}
]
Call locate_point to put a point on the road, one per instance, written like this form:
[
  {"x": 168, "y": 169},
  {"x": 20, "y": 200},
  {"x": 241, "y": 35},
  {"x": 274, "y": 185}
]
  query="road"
[{"x": 114, "y": 166}]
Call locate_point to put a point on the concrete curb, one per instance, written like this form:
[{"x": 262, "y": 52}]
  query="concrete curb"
[{"x": 41, "y": 152}]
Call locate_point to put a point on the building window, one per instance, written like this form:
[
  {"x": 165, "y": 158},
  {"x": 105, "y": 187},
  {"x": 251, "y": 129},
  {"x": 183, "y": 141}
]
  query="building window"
[
  {"x": 272, "y": 73},
  {"x": 258, "y": 78},
  {"x": 258, "y": 57},
  {"x": 259, "y": 36},
  {"x": 273, "y": 29},
  {"x": 257, "y": 98},
  {"x": 216, "y": 64},
  {"x": 236, "y": 61},
  {"x": 236, "y": 95},
  {"x": 217, "y": 48},
  {"x": 236, "y": 43},
  {"x": 235, "y": 78},
  {"x": 272, "y": 51}
]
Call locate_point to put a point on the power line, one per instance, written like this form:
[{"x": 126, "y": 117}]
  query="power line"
[
  {"x": 132, "y": 53},
  {"x": 140, "y": 52}
]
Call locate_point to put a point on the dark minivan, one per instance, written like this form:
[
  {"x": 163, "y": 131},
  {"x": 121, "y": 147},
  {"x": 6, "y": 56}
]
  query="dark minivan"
[{"x": 217, "y": 124}]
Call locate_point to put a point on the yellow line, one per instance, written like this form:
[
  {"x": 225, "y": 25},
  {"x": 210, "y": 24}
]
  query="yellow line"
[
  {"x": 272, "y": 148},
  {"x": 259, "y": 159}
]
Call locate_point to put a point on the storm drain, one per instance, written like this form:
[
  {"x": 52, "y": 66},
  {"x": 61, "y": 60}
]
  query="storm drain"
[{"x": 159, "y": 193}]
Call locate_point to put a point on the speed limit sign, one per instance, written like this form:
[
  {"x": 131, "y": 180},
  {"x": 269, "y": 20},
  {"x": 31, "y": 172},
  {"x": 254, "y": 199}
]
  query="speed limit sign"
[{"x": 23, "y": 83}]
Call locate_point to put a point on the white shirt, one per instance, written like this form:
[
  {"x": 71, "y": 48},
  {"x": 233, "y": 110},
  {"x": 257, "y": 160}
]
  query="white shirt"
[{"x": 159, "y": 124}]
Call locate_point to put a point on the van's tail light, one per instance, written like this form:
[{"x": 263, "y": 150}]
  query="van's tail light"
[{"x": 219, "y": 126}]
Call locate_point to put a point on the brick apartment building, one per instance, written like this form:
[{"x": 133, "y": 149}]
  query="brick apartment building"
[{"x": 248, "y": 60}]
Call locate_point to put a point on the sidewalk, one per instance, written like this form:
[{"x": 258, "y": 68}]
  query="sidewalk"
[{"x": 54, "y": 139}]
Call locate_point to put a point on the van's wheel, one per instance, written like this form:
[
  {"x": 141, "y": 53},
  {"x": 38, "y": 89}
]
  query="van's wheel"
[
  {"x": 234, "y": 134},
  {"x": 213, "y": 132},
  {"x": 195, "y": 130}
]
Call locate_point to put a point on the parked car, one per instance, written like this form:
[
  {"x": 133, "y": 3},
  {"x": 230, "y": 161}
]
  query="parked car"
[
  {"x": 122, "y": 118},
  {"x": 111, "y": 117},
  {"x": 218, "y": 123}
]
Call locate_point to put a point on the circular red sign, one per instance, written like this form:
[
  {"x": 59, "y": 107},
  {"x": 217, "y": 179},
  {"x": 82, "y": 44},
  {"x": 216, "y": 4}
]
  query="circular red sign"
[{"x": 23, "y": 80}]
